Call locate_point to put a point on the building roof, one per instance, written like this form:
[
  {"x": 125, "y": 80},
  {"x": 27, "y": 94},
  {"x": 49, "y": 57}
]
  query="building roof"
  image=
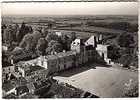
[
  {"x": 10, "y": 96},
  {"x": 25, "y": 67},
  {"x": 90, "y": 41},
  {"x": 39, "y": 84},
  {"x": 22, "y": 89},
  {"x": 22, "y": 56},
  {"x": 32, "y": 61},
  {"x": 31, "y": 68},
  {"x": 8, "y": 86}
]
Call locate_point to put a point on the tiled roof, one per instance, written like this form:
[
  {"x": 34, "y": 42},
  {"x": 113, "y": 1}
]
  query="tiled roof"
[
  {"x": 22, "y": 89},
  {"x": 31, "y": 68},
  {"x": 40, "y": 84},
  {"x": 58, "y": 55},
  {"x": 22, "y": 56},
  {"x": 8, "y": 86}
]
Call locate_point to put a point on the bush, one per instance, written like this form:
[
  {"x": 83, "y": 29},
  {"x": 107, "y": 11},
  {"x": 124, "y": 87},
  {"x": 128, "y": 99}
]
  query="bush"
[{"x": 131, "y": 89}]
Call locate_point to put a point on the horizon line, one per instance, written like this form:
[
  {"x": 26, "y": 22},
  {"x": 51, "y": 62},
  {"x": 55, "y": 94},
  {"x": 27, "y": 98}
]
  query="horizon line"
[{"x": 65, "y": 14}]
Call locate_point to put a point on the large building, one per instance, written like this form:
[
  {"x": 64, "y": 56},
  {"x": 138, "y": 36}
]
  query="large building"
[
  {"x": 58, "y": 62},
  {"x": 81, "y": 52}
]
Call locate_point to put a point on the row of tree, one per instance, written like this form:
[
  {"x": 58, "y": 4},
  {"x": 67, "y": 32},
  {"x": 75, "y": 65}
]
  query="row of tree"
[
  {"x": 125, "y": 50},
  {"x": 126, "y": 26},
  {"x": 39, "y": 40},
  {"x": 14, "y": 33}
]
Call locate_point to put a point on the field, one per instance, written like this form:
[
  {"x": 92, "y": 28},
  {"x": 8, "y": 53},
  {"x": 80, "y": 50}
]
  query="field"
[{"x": 82, "y": 25}]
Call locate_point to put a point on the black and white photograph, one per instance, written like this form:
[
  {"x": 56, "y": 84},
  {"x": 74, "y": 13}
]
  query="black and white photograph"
[{"x": 69, "y": 50}]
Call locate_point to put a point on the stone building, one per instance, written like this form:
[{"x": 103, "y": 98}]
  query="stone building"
[
  {"x": 78, "y": 45},
  {"x": 103, "y": 52},
  {"x": 58, "y": 62},
  {"x": 29, "y": 70}
]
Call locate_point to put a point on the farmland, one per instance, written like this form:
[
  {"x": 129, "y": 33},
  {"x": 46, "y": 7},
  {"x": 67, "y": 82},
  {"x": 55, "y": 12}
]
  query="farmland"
[
  {"x": 110, "y": 26},
  {"x": 82, "y": 25}
]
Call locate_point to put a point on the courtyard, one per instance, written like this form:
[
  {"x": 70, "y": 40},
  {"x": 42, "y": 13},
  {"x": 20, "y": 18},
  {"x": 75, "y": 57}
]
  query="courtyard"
[{"x": 100, "y": 80}]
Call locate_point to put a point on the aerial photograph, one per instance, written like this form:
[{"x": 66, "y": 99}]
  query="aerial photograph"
[{"x": 69, "y": 50}]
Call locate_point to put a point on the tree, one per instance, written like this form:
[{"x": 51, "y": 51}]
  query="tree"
[
  {"x": 44, "y": 32},
  {"x": 15, "y": 29},
  {"x": 66, "y": 42},
  {"x": 125, "y": 40},
  {"x": 120, "y": 25},
  {"x": 41, "y": 46},
  {"x": 22, "y": 31},
  {"x": 57, "y": 47},
  {"x": 48, "y": 50},
  {"x": 30, "y": 41},
  {"x": 3, "y": 27},
  {"x": 30, "y": 29},
  {"x": 52, "y": 36},
  {"x": 8, "y": 36},
  {"x": 26, "y": 41},
  {"x": 113, "y": 52},
  {"x": 125, "y": 59},
  {"x": 54, "y": 46},
  {"x": 73, "y": 36}
]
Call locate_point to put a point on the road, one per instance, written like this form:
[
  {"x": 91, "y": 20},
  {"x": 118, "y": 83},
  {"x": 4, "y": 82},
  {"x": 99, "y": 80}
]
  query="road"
[{"x": 101, "y": 81}]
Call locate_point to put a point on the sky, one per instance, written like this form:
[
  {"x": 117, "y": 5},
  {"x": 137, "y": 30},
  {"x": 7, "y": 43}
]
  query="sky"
[{"x": 71, "y": 8}]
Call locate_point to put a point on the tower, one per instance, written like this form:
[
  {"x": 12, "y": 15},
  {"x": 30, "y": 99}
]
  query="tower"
[{"x": 77, "y": 45}]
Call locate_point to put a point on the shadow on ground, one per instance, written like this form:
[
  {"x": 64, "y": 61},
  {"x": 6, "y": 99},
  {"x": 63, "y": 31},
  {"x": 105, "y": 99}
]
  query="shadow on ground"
[{"x": 76, "y": 70}]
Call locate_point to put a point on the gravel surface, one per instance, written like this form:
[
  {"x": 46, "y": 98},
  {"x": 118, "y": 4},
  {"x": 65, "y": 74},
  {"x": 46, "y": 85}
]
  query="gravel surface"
[{"x": 101, "y": 81}]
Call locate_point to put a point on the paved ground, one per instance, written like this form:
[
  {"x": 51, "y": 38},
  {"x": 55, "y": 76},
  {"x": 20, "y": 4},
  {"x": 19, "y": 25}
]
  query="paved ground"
[{"x": 101, "y": 81}]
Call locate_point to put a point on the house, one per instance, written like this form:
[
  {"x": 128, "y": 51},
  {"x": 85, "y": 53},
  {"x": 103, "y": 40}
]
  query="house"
[
  {"x": 17, "y": 92},
  {"x": 39, "y": 87},
  {"x": 8, "y": 88},
  {"x": 78, "y": 45},
  {"x": 28, "y": 70},
  {"x": 58, "y": 62},
  {"x": 23, "y": 56},
  {"x": 91, "y": 41},
  {"x": 58, "y": 33},
  {"x": 21, "y": 90},
  {"x": 49, "y": 62}
]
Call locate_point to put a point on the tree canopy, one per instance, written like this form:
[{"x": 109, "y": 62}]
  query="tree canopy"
[
  {"x": 54, "y": 46},
  {"x": 30, "y": 41},
  {"x": 125, "y": 40},
  {"x": 23, "y": 30},
  {"x": 41, "y": 46}
]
